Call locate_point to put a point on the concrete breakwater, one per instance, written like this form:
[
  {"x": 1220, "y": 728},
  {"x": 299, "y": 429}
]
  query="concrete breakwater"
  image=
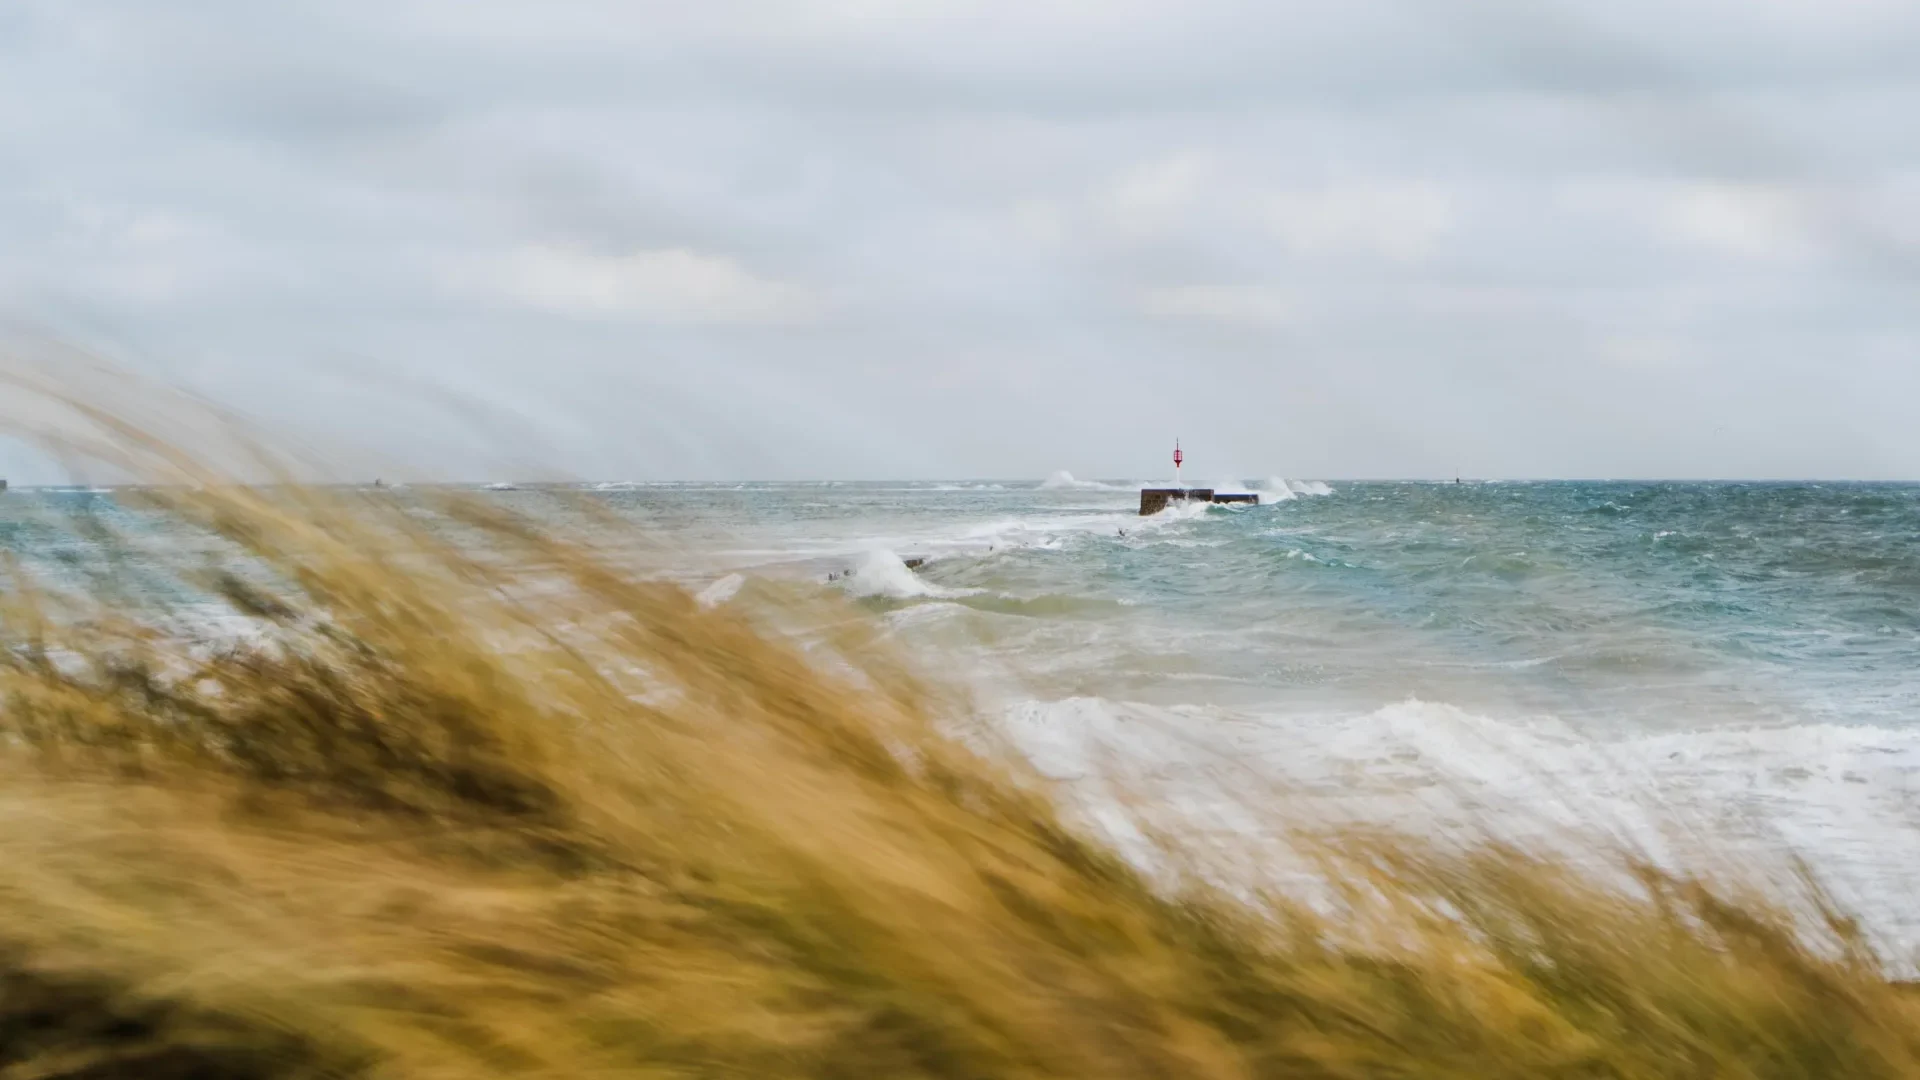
[{"x": 1154, "y": 500}]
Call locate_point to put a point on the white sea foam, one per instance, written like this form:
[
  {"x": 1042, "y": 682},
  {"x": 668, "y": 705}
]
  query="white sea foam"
[
  {"x": 1231, "y": 487},
  {"x": 884, "y": 573},
  {"x": 1014, "y": 534},
  {"x": 1278, "y": 489},
  {"x": 1721, "y": 800},
  {"x": 1064, "y": 481},
  {"x": 1275, "y": 490},
  {"x": 501, "y": 486},
  {"x": 1174, "y": 512}
]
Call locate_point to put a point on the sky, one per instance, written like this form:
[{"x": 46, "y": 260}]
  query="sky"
[{"x": 619, "y": 239}]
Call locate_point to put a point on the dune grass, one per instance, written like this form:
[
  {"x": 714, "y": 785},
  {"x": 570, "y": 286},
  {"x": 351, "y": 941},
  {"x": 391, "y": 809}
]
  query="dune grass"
[{"x": 530, "y": 814}]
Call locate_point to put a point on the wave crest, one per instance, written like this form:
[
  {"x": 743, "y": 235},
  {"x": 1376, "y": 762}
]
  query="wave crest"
[
  {"x": 1065, "y": 481},
  {"x": 1278, "y": 489},
  {"x": 885, "y": 573}
]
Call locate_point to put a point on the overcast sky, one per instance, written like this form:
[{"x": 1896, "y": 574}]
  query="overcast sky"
[{"x": 616, "y": 239}]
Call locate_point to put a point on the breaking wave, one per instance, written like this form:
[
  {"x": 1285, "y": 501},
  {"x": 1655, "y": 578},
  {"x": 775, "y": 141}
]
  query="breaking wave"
[
  {"x": 1834, "y": 795},
  {"x": 1279, "y": 489},
  {"x": 1065, "y": 481},
  {"x": 885, "y": 574}
]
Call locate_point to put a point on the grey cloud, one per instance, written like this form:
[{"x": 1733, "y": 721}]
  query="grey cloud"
[{"x": 830, "y": 238}]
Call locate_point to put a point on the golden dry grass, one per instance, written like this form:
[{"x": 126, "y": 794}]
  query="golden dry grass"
[{"x": 532, "y": 815}]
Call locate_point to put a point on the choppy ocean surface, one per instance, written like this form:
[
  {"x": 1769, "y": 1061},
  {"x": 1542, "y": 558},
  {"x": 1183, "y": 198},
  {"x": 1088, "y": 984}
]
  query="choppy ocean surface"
[{"x": 1730, "y": 668}]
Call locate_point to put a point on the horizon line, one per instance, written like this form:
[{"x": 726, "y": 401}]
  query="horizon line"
[{"x": 377, "y": 483}]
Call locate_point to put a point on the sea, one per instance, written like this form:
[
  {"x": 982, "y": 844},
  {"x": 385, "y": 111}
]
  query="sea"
[{"x": 1704, "y": 674}]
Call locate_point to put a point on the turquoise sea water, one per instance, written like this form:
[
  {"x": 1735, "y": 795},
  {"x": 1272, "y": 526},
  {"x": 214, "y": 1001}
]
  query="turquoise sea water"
[{"x": 1619, "y": 606}]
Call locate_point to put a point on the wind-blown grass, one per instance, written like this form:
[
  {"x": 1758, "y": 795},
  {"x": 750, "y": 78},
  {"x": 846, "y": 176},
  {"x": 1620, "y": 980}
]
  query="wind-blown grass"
[{"x": 530, "y": 814}]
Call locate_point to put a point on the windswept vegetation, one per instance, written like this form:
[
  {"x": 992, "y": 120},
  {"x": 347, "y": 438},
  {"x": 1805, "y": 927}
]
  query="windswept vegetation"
[{"x": 527, "y": 813}]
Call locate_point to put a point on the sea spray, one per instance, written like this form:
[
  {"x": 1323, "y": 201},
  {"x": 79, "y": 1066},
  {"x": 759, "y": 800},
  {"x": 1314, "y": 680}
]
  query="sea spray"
[{"x": 1065, "y": 481}]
